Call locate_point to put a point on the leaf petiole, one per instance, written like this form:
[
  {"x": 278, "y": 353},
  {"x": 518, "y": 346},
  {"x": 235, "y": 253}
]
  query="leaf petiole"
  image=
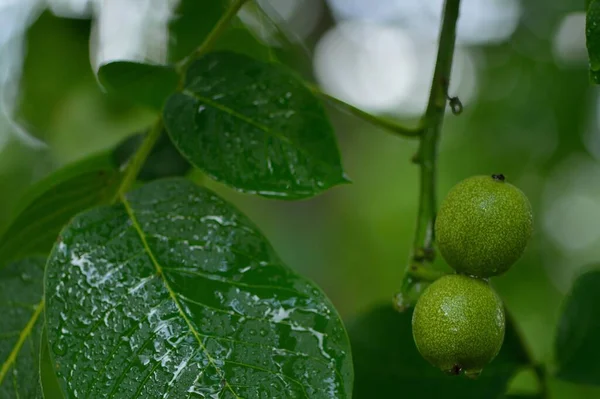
[
  {"x": 137, "y": 161},
  {"x": 212, "y": 36},
  {"x": 374, "y": 120}
]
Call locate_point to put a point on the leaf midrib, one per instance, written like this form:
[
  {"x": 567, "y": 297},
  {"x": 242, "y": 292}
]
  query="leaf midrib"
[
  {"x": 25, "y": 333},
  {"x": 172, "y": 294},
  {"x": 274, "y": 133},
  {"x": 237, "y": 115}
]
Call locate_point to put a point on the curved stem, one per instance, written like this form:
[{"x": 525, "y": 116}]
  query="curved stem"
[
  {"x": 137, "y": 161},
  {"x": 212, "y": 36},
  {"x": 377, "y": 121},
  {"x": 540, "y": 372},
  {"x": 423, "y": 252}
]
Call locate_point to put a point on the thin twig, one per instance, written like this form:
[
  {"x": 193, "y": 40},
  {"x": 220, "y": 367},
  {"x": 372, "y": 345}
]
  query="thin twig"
[
  {"x": 423, "y": 251},
  {"x": 374, "y": 120},
  {"x": 212, "y": 37},
  {"x": 137, "y": 161},
  {"x": 540, "y": 372}
]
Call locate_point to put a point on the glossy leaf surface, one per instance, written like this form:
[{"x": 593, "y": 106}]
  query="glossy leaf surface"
[
  {"x": 49, "y": 205},
  {"x": 21, "y": 328},
  {"x": 174, "y": 293},
  {"x": 255, "y": 127},
  {"x": 387, "y": 363},
  {"x": 577, "y": 344}
]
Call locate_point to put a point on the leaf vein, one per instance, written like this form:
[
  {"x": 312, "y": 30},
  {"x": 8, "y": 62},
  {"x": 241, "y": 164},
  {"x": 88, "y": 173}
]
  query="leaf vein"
[
  {"x": 215, "y": 277},
  {"x": 278, "y": 374},
  {"x": 22, "y": 337},
  {"x": 237, "y": 115},
  {"x": 172, "y": 294}
]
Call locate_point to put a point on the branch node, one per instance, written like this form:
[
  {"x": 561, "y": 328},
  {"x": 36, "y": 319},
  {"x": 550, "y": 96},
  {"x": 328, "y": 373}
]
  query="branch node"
[
  {"x": 418, "y": 270},
  {"x": 455, "y": 105},
  {"x": 400, "y": 303},
  {"x": 429, "y": 254}
]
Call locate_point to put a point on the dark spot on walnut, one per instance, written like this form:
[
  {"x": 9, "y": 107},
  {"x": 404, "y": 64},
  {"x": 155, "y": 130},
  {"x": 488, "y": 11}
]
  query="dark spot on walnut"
[{"x": 456, "y": 369}]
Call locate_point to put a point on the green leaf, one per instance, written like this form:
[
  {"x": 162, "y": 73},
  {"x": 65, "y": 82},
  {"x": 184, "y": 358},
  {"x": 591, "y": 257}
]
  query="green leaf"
[
  {"x": 592, "y": 34},
  {"x": 50, "y": 386},
  {"x": 255, "y": 127},
  {"x": 195, "y": 19},
  {"x": 164, "y": 159},
  {"x": 577, "y": 346},
  {"x": 143, "y": 84},
  {"x": 20, "y": 328},
  {"x": 175, "y": 292},
  {"x": 386, "y": 361},
  {"x": 290, "y": 49},
  {"x": 49, "y": 205},
  {"x": 192, "y": 22}
]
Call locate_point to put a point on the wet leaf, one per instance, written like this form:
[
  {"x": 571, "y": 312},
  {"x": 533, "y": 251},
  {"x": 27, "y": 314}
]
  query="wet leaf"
[
  {"x": 174, "y": 293},
  {"x": 255, "y": 127},
  {"x": 143, "y": 84},
  {"x": 50, "y": 203},
  {"x": 592, "y": 34},
  {"x": 20, "y": 328},
  {"x": 577, "y": 346},
  {"x": 387, "y": 363}
]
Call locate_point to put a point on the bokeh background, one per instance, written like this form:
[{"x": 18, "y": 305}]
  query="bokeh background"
[{"x": 520, "y": 70}]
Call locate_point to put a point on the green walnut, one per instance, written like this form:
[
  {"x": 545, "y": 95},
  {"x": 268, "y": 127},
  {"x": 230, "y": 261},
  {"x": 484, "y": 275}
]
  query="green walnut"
[
  {"x": 458, "y": 324},
  {"x": 483, "y": 226}
]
